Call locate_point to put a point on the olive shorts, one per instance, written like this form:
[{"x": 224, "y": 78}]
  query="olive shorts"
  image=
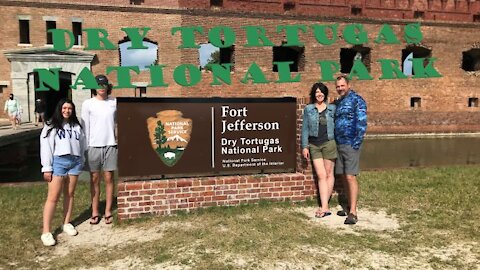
[{"x": 327, "y": 150}]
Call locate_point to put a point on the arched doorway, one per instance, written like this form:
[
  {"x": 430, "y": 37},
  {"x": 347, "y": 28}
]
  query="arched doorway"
[
  {"x": 51, "y": 97},
  {"x": 24, "y": 81}
]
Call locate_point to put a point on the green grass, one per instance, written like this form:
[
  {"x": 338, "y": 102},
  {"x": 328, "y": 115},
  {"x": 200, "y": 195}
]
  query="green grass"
[
  {"x": 21, "y": 209},
  {"x": 428, "y": 200},
  {"x": 436, "y": 208}
]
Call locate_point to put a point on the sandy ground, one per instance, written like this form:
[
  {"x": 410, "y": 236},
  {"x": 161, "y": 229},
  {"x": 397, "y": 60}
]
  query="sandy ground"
[
  {"x": 103, "y": 236},
  {"x": 368, "y": 220}
]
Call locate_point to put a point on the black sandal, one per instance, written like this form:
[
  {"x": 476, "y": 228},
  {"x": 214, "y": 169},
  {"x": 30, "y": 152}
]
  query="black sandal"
[
  {"x": 94, "y": 220},
  {"x": 322, "y": 214},
  {"x": 344, "y": 212},
  {"x": 109, "y": 219},
  {"x": 351, "y": 219}
]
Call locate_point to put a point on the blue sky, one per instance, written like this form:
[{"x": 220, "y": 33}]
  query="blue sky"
[
  {"x": 408, "y": 65},
  {"x": 205, "y": 51},
  {"x": 138, "y": 57},
  {"x": 146, "y": 57}
]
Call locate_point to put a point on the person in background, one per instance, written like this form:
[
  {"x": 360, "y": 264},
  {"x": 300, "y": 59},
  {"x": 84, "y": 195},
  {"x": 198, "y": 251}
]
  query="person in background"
[
  {"x": 39, "y": 111},
  {"x": 99, "y": 118},
  {"x": 318, "y": 142},
  {"x": 350, "y": 128},
  {"x": 12, "y": 108},
  {"x": 62, "y": 148}
]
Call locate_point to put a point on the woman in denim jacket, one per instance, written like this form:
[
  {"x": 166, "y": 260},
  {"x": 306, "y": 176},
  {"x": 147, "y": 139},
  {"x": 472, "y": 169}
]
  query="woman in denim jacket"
[{"x": 318, "y": 142}]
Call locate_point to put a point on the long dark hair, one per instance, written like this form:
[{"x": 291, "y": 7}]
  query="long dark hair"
[
  {"x": 323, "y": 88},
  {"x": 57, "y": 121}
]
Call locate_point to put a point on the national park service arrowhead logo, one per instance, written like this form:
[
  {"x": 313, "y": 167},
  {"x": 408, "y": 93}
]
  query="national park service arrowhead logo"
[{"x": 169, "y": 134}]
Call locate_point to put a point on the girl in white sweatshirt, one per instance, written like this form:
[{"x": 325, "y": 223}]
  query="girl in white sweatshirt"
[{"x": 62, "y": 148}]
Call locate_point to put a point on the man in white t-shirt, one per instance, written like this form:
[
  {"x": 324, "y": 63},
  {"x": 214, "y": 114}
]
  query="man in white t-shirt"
[{"x": 99, "y": 120}]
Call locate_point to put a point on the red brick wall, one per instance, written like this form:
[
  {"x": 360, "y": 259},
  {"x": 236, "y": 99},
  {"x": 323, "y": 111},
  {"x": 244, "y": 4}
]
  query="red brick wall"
[
  {"x": 421, "y": 122},
  {"x": 388, "y": 100},
  {"x": 167, "y": 196},
  {"x": 453, "y": 10},
  {"x": 388, "y": 9}
]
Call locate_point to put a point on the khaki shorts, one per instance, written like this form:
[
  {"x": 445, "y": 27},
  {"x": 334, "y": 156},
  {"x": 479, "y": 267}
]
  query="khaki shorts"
[{"x": 327, "y": 150}]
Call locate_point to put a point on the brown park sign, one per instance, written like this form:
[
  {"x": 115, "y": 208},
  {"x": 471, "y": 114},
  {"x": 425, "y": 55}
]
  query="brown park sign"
[{"x": 176, "y": 137}]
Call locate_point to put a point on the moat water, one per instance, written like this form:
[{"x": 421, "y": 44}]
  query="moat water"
[
  {"x": 414, "y": 152},
  {"x": 376, "y": 154}
]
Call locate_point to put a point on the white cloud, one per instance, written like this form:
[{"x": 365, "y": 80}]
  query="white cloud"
[{"x": 138, "y": 57}]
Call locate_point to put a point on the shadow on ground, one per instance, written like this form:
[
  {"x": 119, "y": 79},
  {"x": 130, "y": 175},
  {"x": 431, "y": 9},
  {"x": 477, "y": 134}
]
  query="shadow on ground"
[{"x": 86, "y": 215}]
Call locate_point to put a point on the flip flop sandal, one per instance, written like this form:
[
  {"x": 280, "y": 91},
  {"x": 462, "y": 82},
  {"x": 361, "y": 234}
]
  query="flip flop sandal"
[
  {"x": 323, "y": 214},
  {"x": 94, "y": 220},
  {"x": 109, "y": 219}
]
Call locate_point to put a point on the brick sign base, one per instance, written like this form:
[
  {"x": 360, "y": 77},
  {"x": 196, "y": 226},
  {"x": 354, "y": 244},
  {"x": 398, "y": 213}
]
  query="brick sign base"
[{"x": 160, "y": 197}]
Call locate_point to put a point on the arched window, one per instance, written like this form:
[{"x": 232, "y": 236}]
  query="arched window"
[
  {"x": 471, "y": 60},
  {"x": 349, "y": 55},
  {"x": 210, "y": 54},
  {"x": 414, "y": 51},
  {"x": 293, "y": 54},
  {"x": 138, "y": 57}
]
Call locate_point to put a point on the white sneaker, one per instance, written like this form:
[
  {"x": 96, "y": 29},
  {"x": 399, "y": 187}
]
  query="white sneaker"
[
  {"x": 69, "y": 229},
  {"x": 47, "y": 239}
]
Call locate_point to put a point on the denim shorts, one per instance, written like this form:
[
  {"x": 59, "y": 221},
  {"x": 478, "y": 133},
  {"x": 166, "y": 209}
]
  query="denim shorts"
[{"x": 67, "y": 164}]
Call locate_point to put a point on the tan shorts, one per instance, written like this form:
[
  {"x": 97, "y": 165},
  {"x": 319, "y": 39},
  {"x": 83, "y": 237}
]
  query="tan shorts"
[{"x": 327, "y": 150}]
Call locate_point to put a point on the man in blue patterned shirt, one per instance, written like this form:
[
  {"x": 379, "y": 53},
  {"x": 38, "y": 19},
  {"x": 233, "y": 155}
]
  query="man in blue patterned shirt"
[{"x": 350, "y": 128}]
